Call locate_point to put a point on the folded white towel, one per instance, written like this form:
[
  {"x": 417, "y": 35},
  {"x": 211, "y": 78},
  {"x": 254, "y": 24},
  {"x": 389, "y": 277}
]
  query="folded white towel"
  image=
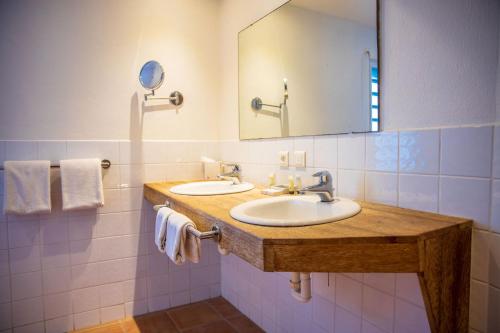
[
  {"x": 181, "y": 245},
  {"x": 26, "y": 187},
  {"x": 161, "y": 227},
  {"x": 81, "y": 182}
]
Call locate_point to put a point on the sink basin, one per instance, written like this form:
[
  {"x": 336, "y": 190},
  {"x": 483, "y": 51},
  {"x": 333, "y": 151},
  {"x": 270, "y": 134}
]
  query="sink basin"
[
  {"x": 211, "y": 188},
  {"x": 286, "y": 211}
]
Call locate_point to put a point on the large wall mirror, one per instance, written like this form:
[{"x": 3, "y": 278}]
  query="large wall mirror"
[{"x": 310, "y": 67}]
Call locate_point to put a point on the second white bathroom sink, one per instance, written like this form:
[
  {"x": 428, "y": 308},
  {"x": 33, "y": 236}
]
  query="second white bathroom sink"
[
  {"x": 211, "y": 188},
  {"x": 287, "y": 211}
]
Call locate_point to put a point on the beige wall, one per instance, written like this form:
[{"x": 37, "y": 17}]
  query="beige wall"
[{"x": 70, "y": 68}]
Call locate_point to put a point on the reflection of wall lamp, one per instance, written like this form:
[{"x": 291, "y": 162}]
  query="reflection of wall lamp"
[{"x": 257, "y": 103}]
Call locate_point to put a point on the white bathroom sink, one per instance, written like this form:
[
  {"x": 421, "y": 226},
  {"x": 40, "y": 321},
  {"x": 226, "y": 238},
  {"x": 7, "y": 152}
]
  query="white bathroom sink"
[
  {"x": 286, "y": 211},
  {"x": 211, "y": 188}
]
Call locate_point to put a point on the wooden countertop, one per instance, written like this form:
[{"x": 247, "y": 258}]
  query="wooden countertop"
[
  {"x": 379, "y": 239},
  {"x": 375, "y": 222}
]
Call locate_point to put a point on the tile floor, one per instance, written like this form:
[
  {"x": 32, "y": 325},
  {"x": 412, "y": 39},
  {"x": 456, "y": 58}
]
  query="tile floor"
[{"x": 212, "y": 316}]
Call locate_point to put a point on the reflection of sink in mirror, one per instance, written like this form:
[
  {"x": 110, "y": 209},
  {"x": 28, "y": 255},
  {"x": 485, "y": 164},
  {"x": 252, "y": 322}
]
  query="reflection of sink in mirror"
[
  {"x": 294, "y": 211},
  {"x": 211, "y": 188}
]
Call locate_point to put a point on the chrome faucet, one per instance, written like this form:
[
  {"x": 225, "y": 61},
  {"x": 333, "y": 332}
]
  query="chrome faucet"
[
  {"x": 324, "y": 188},
  {"x": 234, "y": 175}
]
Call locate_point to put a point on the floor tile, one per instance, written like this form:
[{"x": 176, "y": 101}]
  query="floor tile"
[
  {"x": 244, "y": 325},
  {"x": 193, "y": 315},
  {"x": 223, "y": 307},
  {"x": 219, "y": 326},
  {"x": 158, "y": 322}
]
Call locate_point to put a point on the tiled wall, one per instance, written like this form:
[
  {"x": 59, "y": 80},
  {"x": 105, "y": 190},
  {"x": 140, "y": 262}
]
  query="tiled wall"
[
  {"x": 61, "y": 271},
  {"x": 454, "y": 171}
]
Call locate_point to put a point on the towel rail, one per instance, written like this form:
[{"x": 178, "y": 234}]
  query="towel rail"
[
  {"x": 105, "y": 164},
  {"x": 215, "y": 233}
]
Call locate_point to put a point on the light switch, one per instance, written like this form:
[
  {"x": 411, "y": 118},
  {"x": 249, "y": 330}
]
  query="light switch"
[
  {"x": 283, "y": 155},
  {"x": 299, "y": 158}
]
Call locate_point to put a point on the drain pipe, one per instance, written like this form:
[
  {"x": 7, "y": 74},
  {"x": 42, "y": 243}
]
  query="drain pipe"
[{"x": 300, "y": 283}]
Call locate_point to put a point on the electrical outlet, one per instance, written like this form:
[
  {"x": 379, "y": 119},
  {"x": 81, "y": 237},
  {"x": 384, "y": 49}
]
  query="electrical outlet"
[
  {"x": 299, "y": 158},
  {"x": 283, "y": 156}
]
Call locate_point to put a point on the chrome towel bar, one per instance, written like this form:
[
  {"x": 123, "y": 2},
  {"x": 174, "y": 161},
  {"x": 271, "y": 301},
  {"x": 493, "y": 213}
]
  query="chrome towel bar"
[
  {"x": 105, "y": 164},
  {"x": 215, "y": 233}
]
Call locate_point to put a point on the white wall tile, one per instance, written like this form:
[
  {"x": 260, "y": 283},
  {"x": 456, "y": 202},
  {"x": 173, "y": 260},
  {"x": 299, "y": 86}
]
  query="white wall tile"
[
  {"x": 111, "y": 313},
  {"x": 381, "y": 188},
  {"x": 85, "y": 275},
  {"x": 31, "y": 328},
  {"x": 59, "y": 325},
  {"x": 493, "y": 306},
  {"x": 53, "y": 231},
  {"x": 21, "y": 150},
  {"x": 385, "y": 282},
  {"x": 27, "y": 311},
  {"x": 94, "y": 149},
  {"x": 348, "y": 293},
  {"x": 494, "y": 260},
  {"x": 5, "y": 289},
  {"x": 410, "y": 319},
  {"x": 325, "y": 151},
  {"x": 408, "y": 288},
  {"x": 480, "y": 254},
  {"x": 495, "y": 206},
  {"x": 496, "y": 153},
  {"x": 351, "y": 184},
  {"x": 53, "y": 151},
  {"x": 56, "y": 280},
  {"x": 5, "y": 315},
  {"x": 24, "y": 259},
  {"x": 82, "y": 226},
  {"x": 324, "y": 284},
  {"x": 323, "y": 312},
  {"x": 111, "y": 177},
  {"x": 26, "y": 285},
  {"x": 85, "y": 299},
  {"x": 345, "y": 321},
  {"x": 55, "y": 255},
  {"x": 382, "y": 151},
  {"x": 466, "y": 151},
  {"x": 86, "y": 319},
  {"x": 57, "y": 305},
  {"x": 466, "y": 197},
  {"x": 24, "y": 233},
  {"x": 419, "y": 192},
  {"x": 137, "y": 308},
  {"x": 351, "y": 151},
  {"x": 419, "y": 152},
  {"x": 378, "y": 308},
  {"x": 478, "y": 308}
]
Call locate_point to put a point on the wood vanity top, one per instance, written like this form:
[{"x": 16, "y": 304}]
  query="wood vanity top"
[
  {"x": 378, "y": 239},
  {"x": 375, "y": 223}
]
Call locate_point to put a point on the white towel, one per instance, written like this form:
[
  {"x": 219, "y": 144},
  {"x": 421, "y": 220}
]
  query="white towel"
[
  {"x": 81, "y": 182},
  {"x": 161, "y": 227},
  {"x": 181, "y": 245},
  {"x": 26, "y": 187}
]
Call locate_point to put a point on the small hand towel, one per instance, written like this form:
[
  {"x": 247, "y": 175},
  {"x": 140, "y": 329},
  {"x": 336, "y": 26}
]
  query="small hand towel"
[
  {"x": 181, "y": 245},
  {"x": 81, "y": 182},
  {"x": 26, "y": 187},
  {"x": 161, "y": 227}
]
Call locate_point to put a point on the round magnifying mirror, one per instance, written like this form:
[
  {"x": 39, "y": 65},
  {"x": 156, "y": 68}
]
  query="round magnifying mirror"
[{"x": 151, "y": 75}]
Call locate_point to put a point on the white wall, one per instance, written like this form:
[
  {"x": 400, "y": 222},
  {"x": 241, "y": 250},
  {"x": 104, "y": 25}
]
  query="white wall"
[{"x": 71, "y": 69}]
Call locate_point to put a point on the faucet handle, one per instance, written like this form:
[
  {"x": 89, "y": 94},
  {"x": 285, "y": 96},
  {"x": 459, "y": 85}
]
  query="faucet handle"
[{"x": 324, "y": 176}]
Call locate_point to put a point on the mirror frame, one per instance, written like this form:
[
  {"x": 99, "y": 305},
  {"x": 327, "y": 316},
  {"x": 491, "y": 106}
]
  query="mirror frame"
[
  {"x": 379, "y": 62},
  {"x": 162, "y": 78}
]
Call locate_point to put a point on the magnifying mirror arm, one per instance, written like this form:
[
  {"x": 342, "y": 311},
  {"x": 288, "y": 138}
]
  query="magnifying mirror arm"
[
  {"x": 257, "y": 103},
  {"x": 176, "y": 98}
]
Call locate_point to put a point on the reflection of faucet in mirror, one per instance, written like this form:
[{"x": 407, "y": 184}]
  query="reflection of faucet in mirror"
[
  {"x": 324, "y": 188},
  {"x": 234, "y": 175},
  {"x": 257, "y": 103}
]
